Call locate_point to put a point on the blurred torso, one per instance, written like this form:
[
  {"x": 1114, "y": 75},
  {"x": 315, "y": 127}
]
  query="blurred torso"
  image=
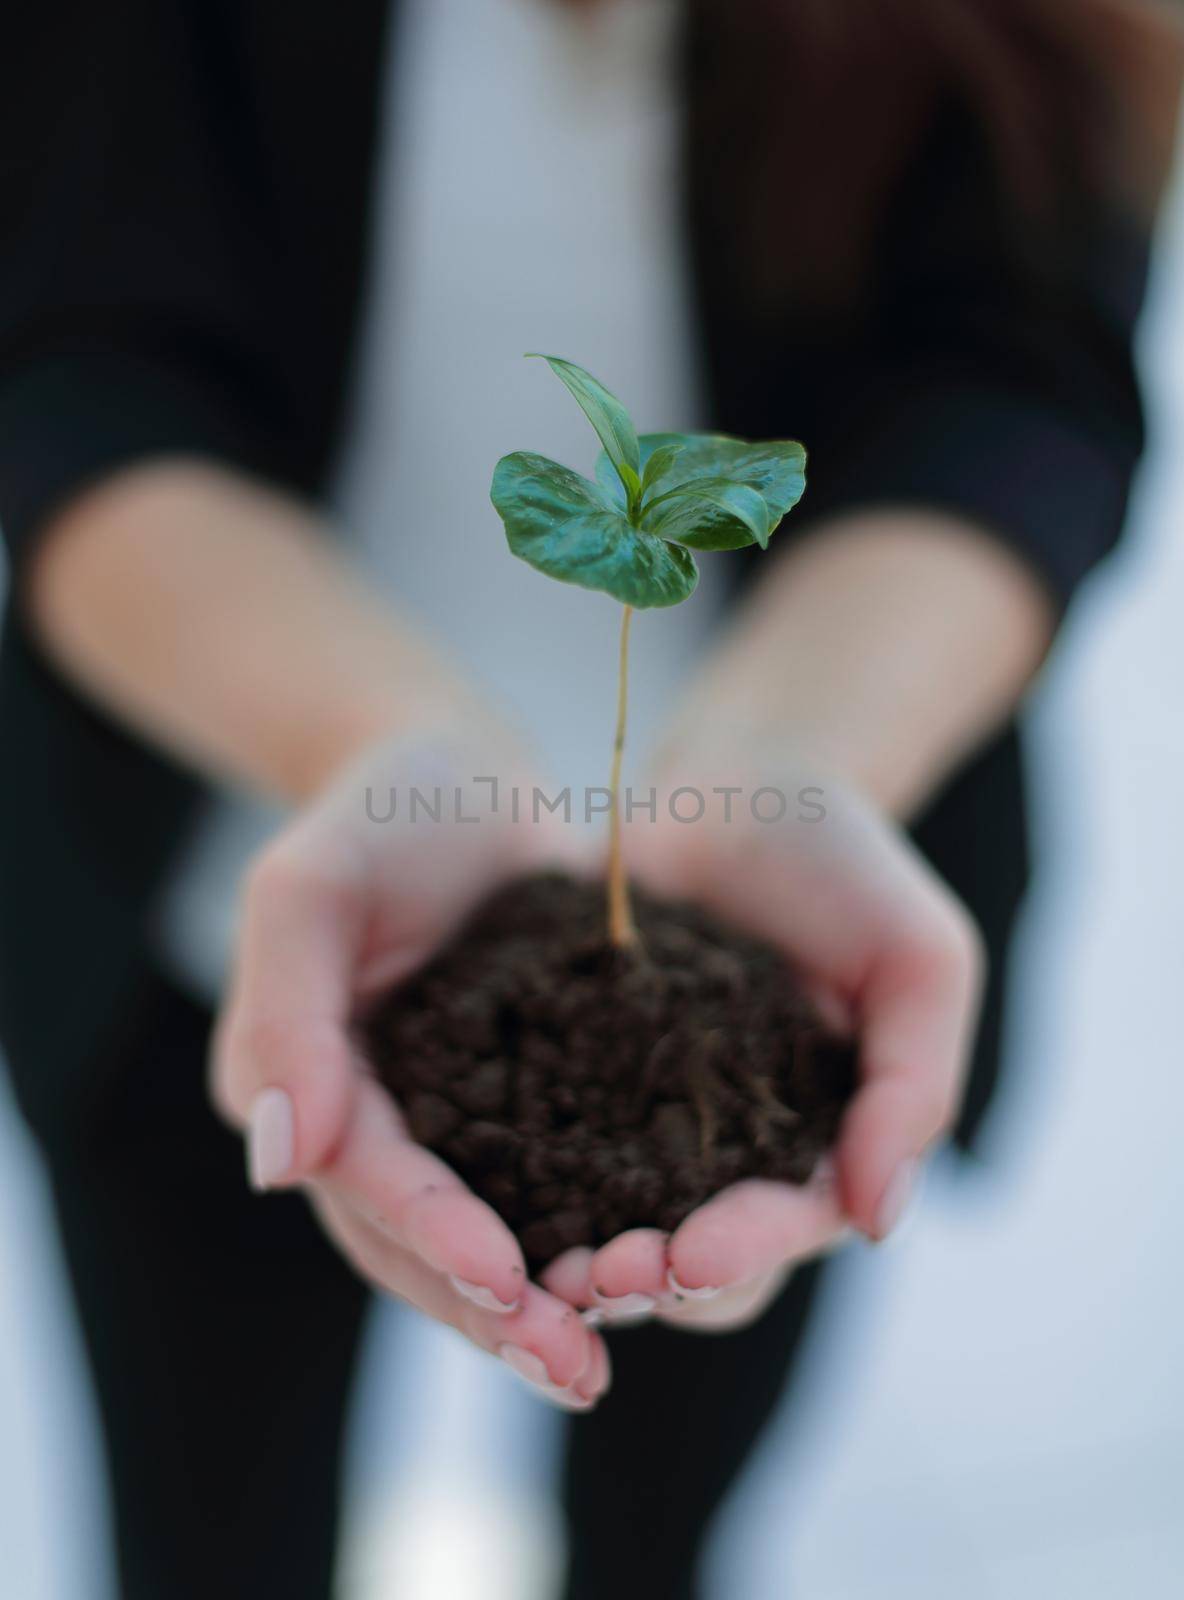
[{"x": 527, "y": 200}]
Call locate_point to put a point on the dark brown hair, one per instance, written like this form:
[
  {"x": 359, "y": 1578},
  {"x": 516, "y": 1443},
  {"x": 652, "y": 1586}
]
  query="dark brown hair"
[{"x": 808, "y": 111}]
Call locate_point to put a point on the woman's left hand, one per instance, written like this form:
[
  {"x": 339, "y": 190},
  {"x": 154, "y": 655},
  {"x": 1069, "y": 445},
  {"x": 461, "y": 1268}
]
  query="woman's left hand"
[
  {"x": 351, "y": 896},
  {"x": 887, "y": 951}
]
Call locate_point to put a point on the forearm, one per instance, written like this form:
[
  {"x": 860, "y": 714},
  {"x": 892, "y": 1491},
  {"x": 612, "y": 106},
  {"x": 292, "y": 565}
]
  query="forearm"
[
  {"x": 211, "y": 614},
  {"x": 887, "y": 647}
]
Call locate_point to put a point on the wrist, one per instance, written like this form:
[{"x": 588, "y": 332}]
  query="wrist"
[
  {"x": 885, "y": 648},
  {"x": 328, "y": 744},
  {"x": 722, "y": 736}
]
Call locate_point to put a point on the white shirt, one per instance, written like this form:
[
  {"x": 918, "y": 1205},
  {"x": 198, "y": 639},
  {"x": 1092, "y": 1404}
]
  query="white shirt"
[{"x": 527, "y": 201}]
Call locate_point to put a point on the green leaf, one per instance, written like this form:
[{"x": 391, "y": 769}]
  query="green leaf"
[
  {"x": 776, "y": 469},
  {"x": 608, "y": 416},
  {"x": 632, "y": 485},
  {"x": 710, "y": 514},
  {"x": 609, "y": 479},
  {"x": 574, "y": 530},
  {"x": 660, "y": 462}
]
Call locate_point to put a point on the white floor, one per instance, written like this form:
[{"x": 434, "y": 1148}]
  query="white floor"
[{"x": 995, "y": 1408}]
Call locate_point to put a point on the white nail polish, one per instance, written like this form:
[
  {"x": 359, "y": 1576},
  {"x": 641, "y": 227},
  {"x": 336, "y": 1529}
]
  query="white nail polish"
[
  {"x": 271, "y": 1139},
  {"x": 707, "y": 1292},
  {"x": 895, "y": 1202},
  {"x": 526, "y": 1364},
  {"x": 592, "y": 1318},
  {"x": 568, "y": 1400},
  {"x": 533, "y": 1371},
  {"x": 825, "y": 1177},
  {"x": 481, "y": 1296},
  {"x": 625, "y": 1307}
]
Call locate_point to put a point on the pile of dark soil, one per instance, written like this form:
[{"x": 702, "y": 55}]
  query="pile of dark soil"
[{"x": 583, "y": 1090}]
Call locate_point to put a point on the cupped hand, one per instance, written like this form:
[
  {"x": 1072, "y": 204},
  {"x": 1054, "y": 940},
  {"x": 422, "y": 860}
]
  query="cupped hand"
[
  {"x": 347, "y": 900},
  {"x": 888, "y": 953}
]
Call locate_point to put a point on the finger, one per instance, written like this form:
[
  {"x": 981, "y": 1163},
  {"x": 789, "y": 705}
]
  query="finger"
[
  {"x": 917, "y": 1008},
  {"x": 627, "y": 1276},
  {"x": 544, "y": 1342},
  {"x": 749, "y": 1230},
  {"x": 597, "y": 1378},
  {"x": 569, "y": 1277},
  {"x": 554, "y": 1332},
  {"x": 283, "y": 1065},
  {"x": 419, "y": 1201},
  {"x": 731, "y": 1309},
  {"x": 622, "y": 1281}
]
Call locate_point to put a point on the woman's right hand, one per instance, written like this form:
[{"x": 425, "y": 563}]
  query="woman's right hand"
[
  {"x": 888, "y": 952},
  {"x": 340, "y": 905}
]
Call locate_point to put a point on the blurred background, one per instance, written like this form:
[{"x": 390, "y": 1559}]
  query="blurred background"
[{"x": 992, "y": 1404}]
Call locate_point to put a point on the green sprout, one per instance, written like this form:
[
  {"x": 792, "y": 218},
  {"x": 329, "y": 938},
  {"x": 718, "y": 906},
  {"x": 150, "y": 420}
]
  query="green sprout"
[{"x": 631, "y": 532}]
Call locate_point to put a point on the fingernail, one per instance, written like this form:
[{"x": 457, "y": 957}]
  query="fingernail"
[
  {"x": 481, "y": 1296},
  {"x": 271, "y": 1139},
  {"x": 592, "y": 1318},
  {"x": 532, "y": 1370},
  {"x": 568, "y": 1400},
  {"x": 624, "y": 1307},
  {"x": 901, "y": 1188},
  {"x": 825, "y": 1176},
  {"x": 526, "y": 1364},
  {"x": 707, "y": 1292}
]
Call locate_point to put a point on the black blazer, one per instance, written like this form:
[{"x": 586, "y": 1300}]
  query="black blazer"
[{"x": 184, "y": 191}]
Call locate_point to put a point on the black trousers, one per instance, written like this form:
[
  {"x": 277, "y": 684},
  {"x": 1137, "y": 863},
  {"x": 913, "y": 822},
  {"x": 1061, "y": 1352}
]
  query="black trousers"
[{"x": 222, "y": 1331}]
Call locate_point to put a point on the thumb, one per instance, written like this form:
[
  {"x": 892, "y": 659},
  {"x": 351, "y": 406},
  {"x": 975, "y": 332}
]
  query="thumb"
[{"x": 283, "y": 1066}]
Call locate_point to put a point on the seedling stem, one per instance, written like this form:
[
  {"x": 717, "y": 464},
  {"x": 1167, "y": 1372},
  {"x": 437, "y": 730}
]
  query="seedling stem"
[
  {"x": 632, "y": 533},
  {"x": 621, "y": 927}
]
